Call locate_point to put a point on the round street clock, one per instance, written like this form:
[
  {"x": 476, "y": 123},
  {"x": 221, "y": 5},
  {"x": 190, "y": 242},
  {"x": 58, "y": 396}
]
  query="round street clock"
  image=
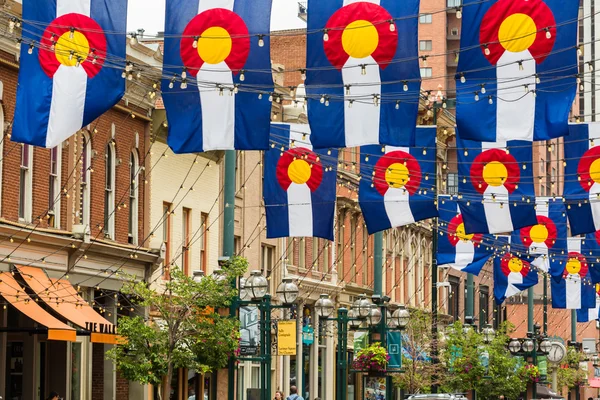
[{"x": 557, "y": 352}]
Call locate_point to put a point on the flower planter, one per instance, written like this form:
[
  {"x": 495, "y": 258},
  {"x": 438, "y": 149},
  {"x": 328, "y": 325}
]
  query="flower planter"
[{"x": 376, "y": 374}]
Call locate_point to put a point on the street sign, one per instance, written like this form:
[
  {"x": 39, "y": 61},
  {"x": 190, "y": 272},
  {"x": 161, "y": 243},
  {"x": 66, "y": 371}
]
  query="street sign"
[
  {"x": 286, "y": 338},
  {"x": 308, "y": 335}
]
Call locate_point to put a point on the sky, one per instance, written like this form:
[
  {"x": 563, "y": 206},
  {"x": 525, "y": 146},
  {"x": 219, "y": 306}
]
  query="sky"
[{"x": 150, "y": 15}]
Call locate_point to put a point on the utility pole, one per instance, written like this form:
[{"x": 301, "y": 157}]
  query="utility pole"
[{"x": 228, "y": 227}]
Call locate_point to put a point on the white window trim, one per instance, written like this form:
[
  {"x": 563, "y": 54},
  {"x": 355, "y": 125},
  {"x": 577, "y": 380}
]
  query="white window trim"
[
  {"x": 28, "y": 208},
  {"x": 57, "y": 187},
  {"x": 109, "y": 229},
  {"x": 134, "y": 201},
  {"x": 85, "y": 195}
]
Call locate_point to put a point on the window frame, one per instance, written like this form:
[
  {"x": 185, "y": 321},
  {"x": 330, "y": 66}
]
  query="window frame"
[
  {"x": 425, "y": 18},
  {"x": 484, "y": 294},
  {"x": 54, "y": 186},
  {"x": 204, "y": 242},
  {"x": 427, "y": 75},
  {"x": 134, "y": 193},
  {"x": 353, "y": 230},
  {"x": 109, "y": 190},
  {"x": 25, "y": 184},
  {"x": 428, "y": 45},
  {"x": 85, "y": 181},
  {"x": 454, "y": 297},
  {"x": 186, "y": 227},
  {"x": 167, "y": 228}
]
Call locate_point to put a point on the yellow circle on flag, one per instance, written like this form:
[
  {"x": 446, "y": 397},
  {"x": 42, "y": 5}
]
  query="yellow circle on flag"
[
  {"x": 360, "y": 39},
  {"x": 214, "y": 45},
  {"x": 539, "y": 233},
  {"x": 68, "y": 50},
  {"x": 573, "y": 266},
  {"x": 397, "y": 175},
  {"x": 299, "y": 171},
  {"x": 595, "y": 171},
  {"x": 495, "y": 173},
  {"x": 517, "y": 33},
  {"x": 461, "y": 234},
  {"x": 515, "y": 265}
]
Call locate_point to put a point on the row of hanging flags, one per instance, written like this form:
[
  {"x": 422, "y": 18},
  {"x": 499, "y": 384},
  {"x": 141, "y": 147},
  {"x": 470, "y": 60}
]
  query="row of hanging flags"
[{"x": 516, "y": 82}]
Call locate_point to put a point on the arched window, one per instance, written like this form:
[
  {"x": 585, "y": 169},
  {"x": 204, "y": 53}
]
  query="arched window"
[
  {"x": 109, "y": 192},
  {"x": 134, "y": 177},
  {"x": 86, "y": 171},
  {"x": 54, "y": 186}
]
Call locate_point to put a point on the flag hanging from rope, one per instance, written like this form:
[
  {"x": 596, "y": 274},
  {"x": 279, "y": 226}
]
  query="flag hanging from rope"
[
  {"x": 496, "y": 186},
  {"x": 516, "y": 76},
  {"x": 511, "y": 276},
  {"x": 299, "y": 185},
  {"x": 546, "y": 242},
  {"x": 574, "y": 289},
  {"x": 363, "y": 78},
  {"x": 590, "y": 248},
  {"x": 218, "y": 100},
  {"x": 64, "y": 83},
  {"x": 398, "y": 184},
  {"x": 457, "y": 249},
  {"x": 582, "y": 187},
  {"x": 590, "y": 314}
]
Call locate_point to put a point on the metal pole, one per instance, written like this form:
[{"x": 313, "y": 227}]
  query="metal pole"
[
  {"x": 535, "y": 345},
  {"x": 434, "y": 290},
  {"x": 342, "y": 356},
  {"x": 574, "y": 325},
  {"x": 228, "y": 225},
  {"x": 530, "y": 309},
  {"x": 545, "y": 304},
  {"x": 263, "y": 351},
  {"x": 378, "y": 264},
  {"x": 470, "y": 311},
  {"x": 267, "y": 355}
]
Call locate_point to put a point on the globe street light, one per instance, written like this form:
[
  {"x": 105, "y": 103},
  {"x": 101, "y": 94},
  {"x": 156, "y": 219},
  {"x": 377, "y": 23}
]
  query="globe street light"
[
  {"x": 488, "y": 334},
  {"x": 362, "y": 306},
  {"x": 374, "y": 317},
  {"x": 197, "y": 276},
  {"x": 402, "y": 315},
  {"x": 545, "y": 346},
  {"x": 244, "y": 293},
  {"x": 528, "y": 345},
  {"x": 257, "y": 285},
  {"x": 287, "y": 291},
  {"x": 514, "y": 346},
  {"x": 324, "y": 306},
  {"x": 354, "y": 321},
  {"x": 391, "y": 321}
]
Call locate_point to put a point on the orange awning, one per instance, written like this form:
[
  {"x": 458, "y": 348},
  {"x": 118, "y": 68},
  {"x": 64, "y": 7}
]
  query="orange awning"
[
  {"x": 15, "y": 295},
  {"x": 62, "y": 297}
]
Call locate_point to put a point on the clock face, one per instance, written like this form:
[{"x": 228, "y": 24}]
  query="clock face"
[{"x": 557, "y": 352}]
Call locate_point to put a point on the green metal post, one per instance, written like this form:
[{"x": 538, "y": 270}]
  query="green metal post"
[
  {"x": 342, "y": 355},
  {"x": 470, "y": 311},
  {"x": 535, "y": 345},
  {"x": 574, "y": 325},
  {"x": 434, "y": 288},
  {"x": 378, "y": 264},
  {"x": 228, "y": 225},
  {"x": 266, "y": 355},
  {"x": 263, "y": 344},
  {"x": 545, "y": 304},
  {"x": 530, "y": 309}
]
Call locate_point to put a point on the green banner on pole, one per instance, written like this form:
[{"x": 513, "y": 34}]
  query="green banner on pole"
[
  {"x": 361, "y": 340},
  {"x": 394, "y": 342},
  {"x": 542, "y": 363}
]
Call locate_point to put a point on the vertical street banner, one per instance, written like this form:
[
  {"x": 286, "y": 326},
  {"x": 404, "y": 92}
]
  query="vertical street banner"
[
  {"x": 361, "y": 340},
  {"x": 398, "y": 184},
  {"x": 582, "y": 189},
  {"x": 214, "y": 51},
  {"x": 249, "y": 331},
  {"x": 394, "y": 348},
  {"x": 65, "y": 82},
  {"x": 286, "y": 338},
  {"x": 299, "y": 186},
  {"x": 573, "y": 289},
  {"x": 363, "y": 79},
  {"x": 517, "y": 72},
  {"x": 496, "y": 185},
  {"x": 545, "y": 242},
  {"x": 457, "y": 249}
]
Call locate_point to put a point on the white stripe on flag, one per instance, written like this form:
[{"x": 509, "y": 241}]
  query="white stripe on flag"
[
  {"x": 573, "y": 291},
  {"x": 574, "y": 244},
  {"x": 397, "y": 207},
  {"x": 465, "y": 252},
  {"x": 300, "y": 211},
  {"x": 497, "y": 209},
  {"x": 543, "y": 263},
  {"x": 362, "y": 120},
  {"x": 346, "y": 2},
  {"x": 593, "y": 133},
  {"x": 595, "y": 204},
  {"x": 514, "y": 278},
  {"x": 297, "y": 131},
  {"x": 69, "y": 87},
  {"x": 515, "y": 108},
  {"x": 218, "y": 112}
]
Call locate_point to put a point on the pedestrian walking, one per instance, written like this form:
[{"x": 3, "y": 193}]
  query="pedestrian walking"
[
  {"x": 279, "y": 395},
  {"x": 294, "y": 394},
  {"x": 53, "y": 396}
]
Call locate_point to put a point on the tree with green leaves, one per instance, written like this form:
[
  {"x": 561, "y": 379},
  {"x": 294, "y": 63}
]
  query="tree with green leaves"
[
  {"x": 569, "y": 374},
  {"x": 487, "y": 368},
  {"x": 185, "y": 329}
]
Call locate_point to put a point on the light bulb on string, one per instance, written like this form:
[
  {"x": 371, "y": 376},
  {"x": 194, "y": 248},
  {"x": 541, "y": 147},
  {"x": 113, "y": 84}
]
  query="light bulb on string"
[
  {"x": 476, "y": 96},
  {"x": 133, "y": 40},
  {"x": 30, "y": 51},
  {"x": 405, "y": 87},
  {"x": 322, "y": 101},
  {"x": 392, "y": 26},
  {"x": 462, "y": 78},
  {"x": 261, "y": 41},
  {"x": 590, "y": 66},
  {"x": 486, "y": 50},
  {"x": 548, "y": 33},
  {"x": 303, "y": 75},
  {"x": 483, "y": 89},
  {"x": 537, "y": 79},
  {"x": 397, "y": 105},
  {"x": 521, "y": 68},
  {"x": 458, "y": 12},
  {"x": 195, "y": 42},
  {"x": 326, "y": 35},
  {"x": 71, "y": 33},
  {"x": 363, "y": 69}
]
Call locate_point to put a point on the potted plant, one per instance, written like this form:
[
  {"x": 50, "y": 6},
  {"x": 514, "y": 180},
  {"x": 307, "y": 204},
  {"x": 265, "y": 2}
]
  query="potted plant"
[
  {"x": 530, "y": 372},
  {"x": 372, "y": 359}
]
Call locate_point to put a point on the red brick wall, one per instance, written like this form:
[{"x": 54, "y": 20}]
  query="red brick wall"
[
  {"x": 122, "y": 387},
  {"x": 289, "y": 49},
  {"x": 126, "y": 127},
  {"x": 97, "y": 371}
]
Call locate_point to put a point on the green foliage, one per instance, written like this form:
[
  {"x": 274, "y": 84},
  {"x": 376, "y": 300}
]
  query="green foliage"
[
  {"x": 568, "y": 373},
  {"x": 185, "y": 327},
  {"x": 466, "y": 371},
  {"x": 373, "y": 358}
]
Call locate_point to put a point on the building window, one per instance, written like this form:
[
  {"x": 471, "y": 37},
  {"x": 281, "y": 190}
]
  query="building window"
[
  {"x": 167, "y": 213},
  {"x": 426, "y": 72},
  {"x": 425, "y": 45},
  {"x": 452, "y": 183},
  {"x": 267, "y": 260},
  {"x": 185, "y": 240},
  {"x": 484, "y": 305},
  {"x": 302, "y": 253},
  {"x": 454, "y": 3},
  {"x": 326, "y": 249},
  {"x": 134, "y": 176},
  {"x": 25, "y": 183},
  {"x": 239, "y": 173},
  {"x": 425, "y": 18},
  {"x": 54, "y": 187},
  {"x": 237, "y": 245},
  {"x": 365, "y": 255},
  {"x": 340, "y": 239},
  {"x": 353, "y": 250},
  {"x": 109, "y": 192},
  {"x": 454, "y": 297},
  {"x": 203, "y": 240},
  {"x": 86, "y": 162},
  {"x": 542, "y": 165}
]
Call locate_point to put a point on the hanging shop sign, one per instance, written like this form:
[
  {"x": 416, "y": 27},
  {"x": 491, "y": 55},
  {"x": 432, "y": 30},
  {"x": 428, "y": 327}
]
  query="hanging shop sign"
[{"x": 286, "y": 338}]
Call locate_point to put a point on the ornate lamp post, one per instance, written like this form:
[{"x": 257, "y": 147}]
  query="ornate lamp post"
[{"x": 533, "y": 345}]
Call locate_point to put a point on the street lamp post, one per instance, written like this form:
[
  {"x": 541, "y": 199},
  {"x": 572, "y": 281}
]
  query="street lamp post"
[{"x": 533, "y": 345}]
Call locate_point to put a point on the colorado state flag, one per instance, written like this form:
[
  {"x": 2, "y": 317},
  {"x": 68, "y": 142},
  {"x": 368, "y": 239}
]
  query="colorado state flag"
[
  {"x": 511, "y": 276},
  {"x": 366, "y": 62},
  {"x": 546, "y": 241},
  {"x": 212, "y": 102},
  {"x": 590, "y": 314},
  {"x": 574, "y": 289},
  {"x": 582, "y": 187},
  {"x": 64, "y": 84},
  {"x": 299, "y": 185},
  {"x": 516, "y": 76},
  {"x": 398, "y": 185},
  {"x": 456, "y": 249},
  {"x": 496, "y": 184},
  {"x": 590, "y": 248}
]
